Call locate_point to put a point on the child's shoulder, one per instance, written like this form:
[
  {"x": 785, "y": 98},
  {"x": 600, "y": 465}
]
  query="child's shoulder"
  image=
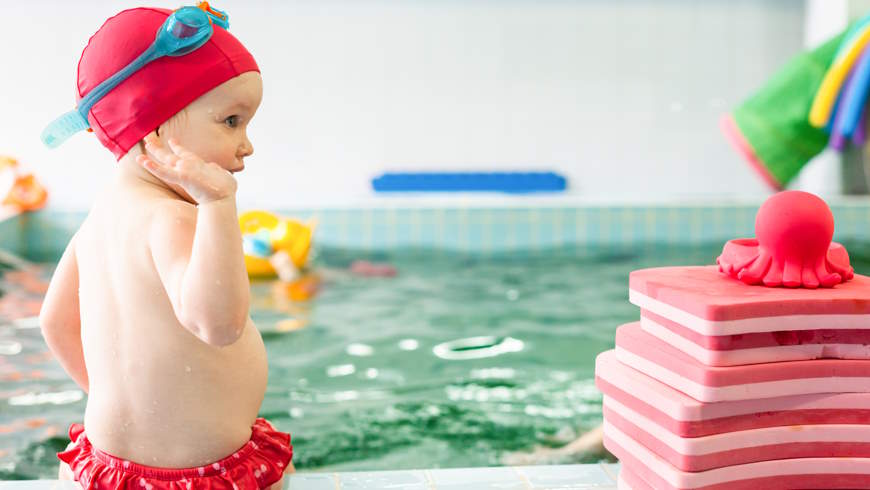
[
  {"x": 171, "y": 211},
  {"x": 168, "y": 218},
  {"x": 145, "y": 206},
  {"x": 162, "y": 206}
]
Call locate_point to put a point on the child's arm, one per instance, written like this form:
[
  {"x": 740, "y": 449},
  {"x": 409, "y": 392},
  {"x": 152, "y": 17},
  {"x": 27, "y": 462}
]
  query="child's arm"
[
  {"x": 198, "y": 255},
  {"x": 198, "y": 251},
  {"x": 59, "y": 318}
]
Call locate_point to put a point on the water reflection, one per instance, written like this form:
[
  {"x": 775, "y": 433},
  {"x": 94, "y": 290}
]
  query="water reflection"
[{"x": 477, "y": 347}]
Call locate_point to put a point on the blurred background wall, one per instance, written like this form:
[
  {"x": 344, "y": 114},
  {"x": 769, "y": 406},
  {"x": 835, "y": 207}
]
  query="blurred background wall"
[{"x": 622, "y": 97}]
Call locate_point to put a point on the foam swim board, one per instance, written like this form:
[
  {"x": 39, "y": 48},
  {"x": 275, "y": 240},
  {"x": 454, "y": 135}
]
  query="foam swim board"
[
  {"x": 628, "y": 481},
  {"x": 648, "y": 354},
  {"x": 710, "y": 303},
  {"x": 759, "y": 347},
  {"x": 739, "y": 447},
  {"x": 684, "y": 416},
  {"x": 781, "y": 474},
  {"x": 721, "y": 322}
]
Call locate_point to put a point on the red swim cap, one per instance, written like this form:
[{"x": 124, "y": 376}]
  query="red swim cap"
[{"x": 160, "y": 89}]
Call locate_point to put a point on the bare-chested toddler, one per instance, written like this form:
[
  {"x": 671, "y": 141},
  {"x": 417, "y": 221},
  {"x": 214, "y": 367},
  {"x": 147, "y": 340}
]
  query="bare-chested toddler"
[{"x": 148, "y": 307}]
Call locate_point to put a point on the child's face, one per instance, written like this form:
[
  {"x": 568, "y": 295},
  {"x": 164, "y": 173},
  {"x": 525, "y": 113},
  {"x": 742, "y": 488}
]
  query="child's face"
[{"x": 215, "y": 125}]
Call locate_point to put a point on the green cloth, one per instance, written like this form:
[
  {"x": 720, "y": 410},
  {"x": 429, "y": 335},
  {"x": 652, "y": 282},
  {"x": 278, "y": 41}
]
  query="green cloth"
[{"x": 774, "y": 121}]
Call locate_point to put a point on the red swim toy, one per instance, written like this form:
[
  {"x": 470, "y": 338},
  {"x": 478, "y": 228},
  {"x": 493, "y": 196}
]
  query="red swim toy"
[{"x": 793, "y": 247}]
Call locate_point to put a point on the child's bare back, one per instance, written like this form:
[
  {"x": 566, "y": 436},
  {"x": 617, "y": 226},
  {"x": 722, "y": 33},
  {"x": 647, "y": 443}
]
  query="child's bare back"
[{"x": 157, "y": 394}]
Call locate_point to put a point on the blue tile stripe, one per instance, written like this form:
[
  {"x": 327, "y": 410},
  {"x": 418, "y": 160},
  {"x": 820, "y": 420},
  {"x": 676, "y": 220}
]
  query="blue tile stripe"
[{"x": 484, "y": 229}]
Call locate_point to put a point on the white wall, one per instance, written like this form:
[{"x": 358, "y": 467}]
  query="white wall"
[
  {"x": 825, "y": 18},
  {"x": 623, "y": 97}
]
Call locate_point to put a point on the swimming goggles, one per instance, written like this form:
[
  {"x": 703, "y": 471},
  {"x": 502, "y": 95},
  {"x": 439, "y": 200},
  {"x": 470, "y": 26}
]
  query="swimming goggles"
[{"x": 185, "y": 30}]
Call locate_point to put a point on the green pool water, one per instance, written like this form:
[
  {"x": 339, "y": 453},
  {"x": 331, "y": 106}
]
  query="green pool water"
[{"x": 361, "y": 385}]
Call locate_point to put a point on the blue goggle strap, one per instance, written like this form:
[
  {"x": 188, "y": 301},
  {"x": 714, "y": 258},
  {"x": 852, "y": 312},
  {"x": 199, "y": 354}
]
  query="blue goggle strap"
[{"x": 76, "y": 120}]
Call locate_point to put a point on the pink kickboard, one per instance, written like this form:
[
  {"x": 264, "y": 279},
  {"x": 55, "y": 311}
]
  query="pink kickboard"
[
  {"x": 703, "y": 299},
  {"x": 627, "y": 480},
  {"x": 774, "y": 338},
  {"x": 686, "y": 417},
  {"x": 748, "y": 446},
  {"x": 783, "y": 474},
  {"x": 673, "y": 367},
  {"x": 761, "y": 347}
]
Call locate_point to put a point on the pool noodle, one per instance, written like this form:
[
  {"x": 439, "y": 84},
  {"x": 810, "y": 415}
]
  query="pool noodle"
[
  {"x": 820, "y": 112},
  {"x": 850, "y": 37},
  {"x": 859, "y": 137},
  {"x": 855, "y": 95},
  {"x": 834, "y": 128},
  {"x": 835, "y": 139}
]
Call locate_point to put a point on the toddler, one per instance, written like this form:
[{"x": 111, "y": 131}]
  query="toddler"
[{"x": 148, "y": 307}]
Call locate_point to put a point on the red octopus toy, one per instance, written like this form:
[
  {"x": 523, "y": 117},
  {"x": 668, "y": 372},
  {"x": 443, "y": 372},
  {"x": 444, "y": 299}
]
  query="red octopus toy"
[{"x": 793, "y": 247}]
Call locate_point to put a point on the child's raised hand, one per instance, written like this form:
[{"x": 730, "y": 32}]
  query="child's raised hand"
[{"x": 203, "y": 181}]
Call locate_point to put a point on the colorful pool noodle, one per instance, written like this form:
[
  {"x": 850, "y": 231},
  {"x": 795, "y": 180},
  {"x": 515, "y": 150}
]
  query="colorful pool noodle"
[
  {"x": 834, "y": 128},
  {"x": 855, "y": 95},
  {"x": 859, "y": 137},
  {"x": 835, "y": 124},
  {"x": 832, "y": 83},
  {"x": 851, "y": 36}
]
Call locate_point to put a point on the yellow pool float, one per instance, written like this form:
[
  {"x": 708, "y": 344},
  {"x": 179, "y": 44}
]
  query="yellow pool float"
[
  {"x": 265, "y": 234},
  {"x": 20, "y": 191}
]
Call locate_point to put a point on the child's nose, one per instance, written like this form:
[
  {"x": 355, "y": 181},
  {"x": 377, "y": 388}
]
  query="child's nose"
[{"x": 247, "y": 149}]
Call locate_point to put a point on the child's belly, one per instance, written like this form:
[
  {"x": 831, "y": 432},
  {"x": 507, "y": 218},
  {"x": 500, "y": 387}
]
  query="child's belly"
[{"x": 175, "y": 402}]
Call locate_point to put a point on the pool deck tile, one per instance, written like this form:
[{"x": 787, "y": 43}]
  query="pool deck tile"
[{"x": 557, "y": 477}]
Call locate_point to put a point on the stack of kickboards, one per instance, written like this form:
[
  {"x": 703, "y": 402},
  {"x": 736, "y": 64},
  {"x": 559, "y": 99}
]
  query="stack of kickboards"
[{"x": 727, "y": 386}]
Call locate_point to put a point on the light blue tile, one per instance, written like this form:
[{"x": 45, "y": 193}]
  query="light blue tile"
[
  {"x": 499, "y": 478},
  {"x": 45, "y": 233},
  {"x": 410, "y": 480},
  {"x": 311, "y": 481},
  {"x": 566, "y": 476}
]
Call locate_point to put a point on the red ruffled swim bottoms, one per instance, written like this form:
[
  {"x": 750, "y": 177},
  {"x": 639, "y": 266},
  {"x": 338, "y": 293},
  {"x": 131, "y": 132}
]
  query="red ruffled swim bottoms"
[{"x": 258, "y": 464}]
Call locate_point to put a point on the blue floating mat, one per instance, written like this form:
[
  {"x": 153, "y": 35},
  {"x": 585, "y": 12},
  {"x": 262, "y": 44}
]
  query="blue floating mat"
[{"x": 511, "y": 182}]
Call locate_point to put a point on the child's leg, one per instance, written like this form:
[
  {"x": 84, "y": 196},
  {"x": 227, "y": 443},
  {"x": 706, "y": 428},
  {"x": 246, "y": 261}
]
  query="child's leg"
[
  {"x": 279, "y": 485},
  {"x": 65, "y": 473}
]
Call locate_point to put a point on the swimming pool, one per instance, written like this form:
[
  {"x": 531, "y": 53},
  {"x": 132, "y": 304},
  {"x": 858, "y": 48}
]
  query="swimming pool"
[{"x": 368, "y": 375}]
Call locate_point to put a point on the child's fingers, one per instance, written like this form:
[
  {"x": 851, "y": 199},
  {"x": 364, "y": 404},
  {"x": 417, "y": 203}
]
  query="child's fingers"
[
  {"x": 149, "y": 164},
  {"x": 154, "y": 146},
  {"x": 180, "y": 151},
  {"x": 161, "y": 155},
  {"x": 160, "y": 171}
]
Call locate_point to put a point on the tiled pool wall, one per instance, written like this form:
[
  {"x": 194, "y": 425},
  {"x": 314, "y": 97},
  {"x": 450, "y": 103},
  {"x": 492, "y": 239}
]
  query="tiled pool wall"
[{"x": 485, "y": 229}]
